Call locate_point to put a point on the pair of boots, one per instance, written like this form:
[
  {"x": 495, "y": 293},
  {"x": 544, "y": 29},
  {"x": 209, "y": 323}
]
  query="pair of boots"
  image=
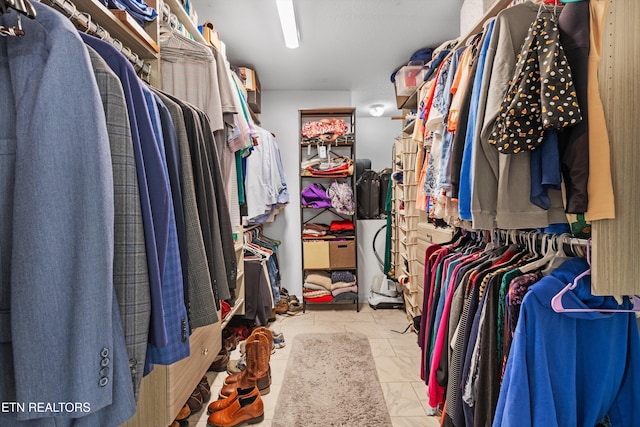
[{"x": 240, "y": 400}]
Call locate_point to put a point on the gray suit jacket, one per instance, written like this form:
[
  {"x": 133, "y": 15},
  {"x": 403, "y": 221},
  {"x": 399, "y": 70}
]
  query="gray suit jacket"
[
  {"x": 61, "y": 337},
  {"x": 201, "y": 308},
  {"x": 130, "y": 273}
]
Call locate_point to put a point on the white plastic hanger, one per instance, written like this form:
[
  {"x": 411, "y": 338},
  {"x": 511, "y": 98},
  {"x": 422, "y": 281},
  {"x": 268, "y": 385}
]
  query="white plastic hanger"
[
  {"x": 559, "y": 256},
  {"x": 556, "y": 301},
  {"x": 547, "y": 250}
]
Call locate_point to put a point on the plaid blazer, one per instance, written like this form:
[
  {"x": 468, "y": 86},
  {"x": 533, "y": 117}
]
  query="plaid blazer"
[{"x": 130, "y": 273}]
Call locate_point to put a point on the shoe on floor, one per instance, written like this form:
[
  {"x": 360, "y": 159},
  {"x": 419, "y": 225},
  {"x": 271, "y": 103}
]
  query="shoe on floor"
[
  {"x": 195, "y": 401},
  {"x": 294, "y": 308},
  {"x": 282, "y": 306},
  {"x": 243, "y": 410},
  {"x": 237, "y": 365},
  {"x": 184, "y": 413},
  {"x": 220, "y": 362},
  {"x": 220, "y": 404}
]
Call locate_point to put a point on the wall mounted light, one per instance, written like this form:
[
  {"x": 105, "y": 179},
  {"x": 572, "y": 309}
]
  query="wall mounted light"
[
  {"x": 376, "y": 110},
  {"x": 288, "y": 23}
]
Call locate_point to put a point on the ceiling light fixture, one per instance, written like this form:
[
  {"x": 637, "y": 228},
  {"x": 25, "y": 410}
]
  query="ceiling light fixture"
[
  {"x": 376, "y": 110},
  {"x": 288, "y": 23}
]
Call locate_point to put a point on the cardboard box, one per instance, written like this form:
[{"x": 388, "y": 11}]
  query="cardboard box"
[
  {"x": 254, "y": 101},
  {"x": 342, "y": 254},
  {"x": 315, "y": 255},
  {"x": 249, "y": 78}
]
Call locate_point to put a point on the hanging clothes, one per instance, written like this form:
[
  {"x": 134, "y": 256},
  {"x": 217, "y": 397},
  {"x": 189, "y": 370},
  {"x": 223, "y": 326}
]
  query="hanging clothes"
[
  {"x": 571, "y": 368},
  {"x": 574, "y": 143},
  {"x": 168, "y": 309},
  {"x": 56, "y": 233},
  {"x": 265, "y": 182},
  {"x": 130, "y": 268},
  {"x": 600, "y": 185},
  {"x": 201, "y": 304},
  {"x": 497, "y": 197}
]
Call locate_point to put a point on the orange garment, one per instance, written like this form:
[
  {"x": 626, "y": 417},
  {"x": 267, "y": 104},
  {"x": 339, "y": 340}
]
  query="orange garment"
[
  {"x": 421, "y": 199},
  {"x": 458, "y": 88},
  {"x": 418, "y": 129},
  {"x": 599, "y": 187}
]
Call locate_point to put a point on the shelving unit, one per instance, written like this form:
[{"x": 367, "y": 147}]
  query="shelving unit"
[
  {"x": 328, "y": 253},
  {"x": 405, "y": 222}
]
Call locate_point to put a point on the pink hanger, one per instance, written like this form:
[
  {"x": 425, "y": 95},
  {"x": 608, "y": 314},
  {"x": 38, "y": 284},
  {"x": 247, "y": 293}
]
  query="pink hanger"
[{"x": 556, "y": 301}]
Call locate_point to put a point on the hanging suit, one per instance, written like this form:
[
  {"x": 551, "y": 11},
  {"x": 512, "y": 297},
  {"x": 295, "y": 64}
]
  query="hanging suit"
[
  {"x": 61, "y": 337},
  {"x": 131, "y": 275}
]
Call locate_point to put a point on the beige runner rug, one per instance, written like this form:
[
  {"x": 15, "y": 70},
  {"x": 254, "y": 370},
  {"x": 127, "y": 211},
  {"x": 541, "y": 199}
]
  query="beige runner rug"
[{"x": 331, "y": 380}]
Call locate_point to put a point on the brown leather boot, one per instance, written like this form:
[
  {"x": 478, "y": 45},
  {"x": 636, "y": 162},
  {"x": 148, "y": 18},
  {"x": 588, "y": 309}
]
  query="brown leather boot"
[
  {"x": 266, "y": 331},
  {"x": 243, "y": 410},
  {"x": 221, "y": 404},
  {"x": 258, "y": 355},
  {"x": 264, "y": 382}
]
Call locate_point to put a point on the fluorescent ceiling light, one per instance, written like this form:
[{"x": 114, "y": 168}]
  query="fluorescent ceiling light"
[{"x": 288, "y": 23}]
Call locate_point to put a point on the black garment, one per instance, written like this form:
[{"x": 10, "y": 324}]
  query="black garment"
[
  {"x": 257, "y": 301},
  {"x": 574, "y": 141},
  {"x": 489, "y": 365},
  {"x": 224, "y": 219},
  {"x": 206, "y": 201},
  {"x": 468, "y": 313},
  {"x": 453, "y": 368}
]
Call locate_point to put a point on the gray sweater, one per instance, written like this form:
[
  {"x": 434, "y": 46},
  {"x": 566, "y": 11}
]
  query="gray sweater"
[{"x": 502, "y": 182}]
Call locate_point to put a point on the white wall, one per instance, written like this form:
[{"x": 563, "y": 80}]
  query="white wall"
[
  {"x": 375, "y": 138},
  {"x": 470, "y": 13}
]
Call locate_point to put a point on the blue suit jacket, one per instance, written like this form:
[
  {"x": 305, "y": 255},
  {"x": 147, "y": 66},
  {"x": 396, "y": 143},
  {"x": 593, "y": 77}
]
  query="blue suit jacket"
[
  {"x": 151, "y": 180},
  {"x": 61, "y": 337}
]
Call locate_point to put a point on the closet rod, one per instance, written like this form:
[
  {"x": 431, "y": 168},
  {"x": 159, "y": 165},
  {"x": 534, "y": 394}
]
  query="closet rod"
[
  {"x": 85, "y": 21},
  {"x": 567, "y": 239}
]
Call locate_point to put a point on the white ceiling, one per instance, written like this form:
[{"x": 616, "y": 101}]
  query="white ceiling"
[{"x": 345, "y": 45}]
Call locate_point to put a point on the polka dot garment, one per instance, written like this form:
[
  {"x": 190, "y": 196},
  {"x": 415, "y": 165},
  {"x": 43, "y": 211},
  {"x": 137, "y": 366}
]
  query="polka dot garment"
[{"x": 541, "y": 94}]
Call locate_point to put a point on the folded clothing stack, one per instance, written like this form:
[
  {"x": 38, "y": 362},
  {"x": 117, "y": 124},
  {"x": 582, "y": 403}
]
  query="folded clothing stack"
[
  {"x": 343, "y": 285},
  {"x": 315, "y": 230},
  {"x": 138, "y": 9},
  {"x": 317, "y": 287},
  {"x": 342, "y": 228}
]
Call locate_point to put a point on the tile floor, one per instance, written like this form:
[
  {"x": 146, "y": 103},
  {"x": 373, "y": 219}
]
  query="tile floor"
[{"x": 397, "y": 360}]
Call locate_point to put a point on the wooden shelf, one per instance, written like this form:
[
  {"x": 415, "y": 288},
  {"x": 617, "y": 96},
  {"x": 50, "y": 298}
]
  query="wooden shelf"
[
  {"x": 329, "y": 238},
  {"x": 324, "y": 112},
  {"x": 411, "y": 103},
  {"x": 239, "y": 303},
  {"x": 409, "y": 127},
  {"x": 326, "y": 177},
  {"x": 129, "y": 32},
  {"x": 132, "y": 25},
  {"x": 189, "y": 25},
  {"x": 347, "y": 143}
]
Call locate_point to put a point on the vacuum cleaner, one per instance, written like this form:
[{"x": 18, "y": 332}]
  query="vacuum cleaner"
[{"x": 385, "y": 292}]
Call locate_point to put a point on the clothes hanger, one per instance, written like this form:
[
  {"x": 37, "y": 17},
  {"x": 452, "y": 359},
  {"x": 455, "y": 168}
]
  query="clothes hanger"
[
  {"x": 560, "y": 255},
  {"x": 21, "y": 6},
  {"x": 556, "y": 301},
  {"x": 547, "y": 250}
]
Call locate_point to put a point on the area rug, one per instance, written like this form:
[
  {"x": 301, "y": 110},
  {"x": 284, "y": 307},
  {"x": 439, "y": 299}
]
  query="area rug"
[{"x": 331, "y": 380}]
